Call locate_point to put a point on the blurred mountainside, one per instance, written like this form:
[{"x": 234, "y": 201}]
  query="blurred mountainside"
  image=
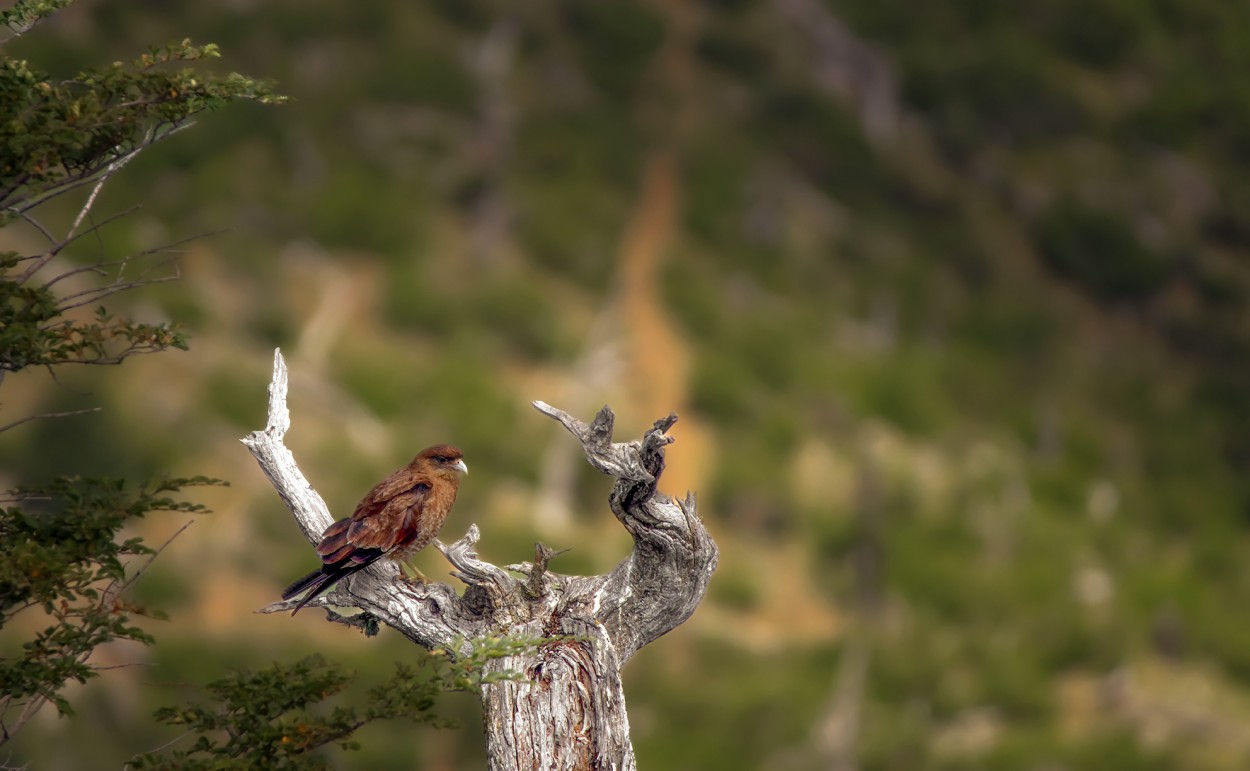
[{"x": 951, "y": 299}]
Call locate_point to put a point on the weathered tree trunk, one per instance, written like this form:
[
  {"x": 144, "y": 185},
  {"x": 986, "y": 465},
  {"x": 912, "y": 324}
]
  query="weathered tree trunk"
[{"x": 569, "y": 710}]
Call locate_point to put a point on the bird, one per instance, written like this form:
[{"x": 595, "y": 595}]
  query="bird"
[{"x": 399, "y": 517}]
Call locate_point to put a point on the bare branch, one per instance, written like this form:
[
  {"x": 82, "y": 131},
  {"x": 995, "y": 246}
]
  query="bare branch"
[
  {"x": 593, "y": 623},
  {"x": 659, "y": 585},
  {"x": 128, "y": 665},
  {"x": 113, "y": 168},
  {"x": 311, "y": 512},
  {"x": 152, "y": 557},
  {"x": 539, "y": 582},
  {"x": 92, "y": 296},
  {"x": 98, "y": 293},
  {"x": 283, "y": 606},
  {"x": 617, "y": 460},
  {"x": 32, "y": 707},
  {"x": 110, "y": 169},
  {"x": 470, "y": 569},
  {"x": 95, "y": 227},
  {"x": 44, "y": 415},
  {"x": 37, "y": 225}
]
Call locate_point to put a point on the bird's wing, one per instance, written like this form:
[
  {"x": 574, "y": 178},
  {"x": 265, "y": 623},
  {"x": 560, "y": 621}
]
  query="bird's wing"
[
  {"x": 403, "y": 480},
  {"x": 335, "y": 546},
  {"x": 386, "y": 516}
]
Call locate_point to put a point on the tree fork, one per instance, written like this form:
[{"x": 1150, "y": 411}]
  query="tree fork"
[{"x": 568, "y": 711}]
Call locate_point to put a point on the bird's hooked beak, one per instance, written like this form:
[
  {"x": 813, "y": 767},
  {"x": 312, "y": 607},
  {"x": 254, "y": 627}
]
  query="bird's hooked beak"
[{"x": 459, "y": 466}]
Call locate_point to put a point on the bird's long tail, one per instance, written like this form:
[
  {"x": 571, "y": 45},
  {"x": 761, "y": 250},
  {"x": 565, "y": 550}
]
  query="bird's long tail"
[{"x": 317, "y": 583}]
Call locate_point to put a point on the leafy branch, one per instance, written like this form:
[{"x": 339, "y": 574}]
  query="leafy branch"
[
  {"x": 277, "y": 717},
  {"x": 25, "y": 14},
  {"x": 269, "y": 717},
  {"x": 63, "y": 565},
  {"x": 60, "y": 556},
  {"x": 59, "y": 136}
]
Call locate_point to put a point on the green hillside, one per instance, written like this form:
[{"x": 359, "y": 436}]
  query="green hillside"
[{"x": 951, "y": 299}]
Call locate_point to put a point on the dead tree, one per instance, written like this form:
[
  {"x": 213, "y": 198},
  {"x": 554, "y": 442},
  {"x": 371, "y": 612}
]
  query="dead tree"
[{"x": 568, "y": 711}]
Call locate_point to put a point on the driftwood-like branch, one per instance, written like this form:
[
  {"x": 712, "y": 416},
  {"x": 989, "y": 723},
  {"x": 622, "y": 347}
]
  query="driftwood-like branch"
[
  {"x": 570, "y": 712},
  {"x": 431, "y": 615},
  {"x": 661, "y": 583}
]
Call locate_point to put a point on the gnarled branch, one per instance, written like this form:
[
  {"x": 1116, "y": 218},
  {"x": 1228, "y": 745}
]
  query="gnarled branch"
[{"x": 570, "y": 713}]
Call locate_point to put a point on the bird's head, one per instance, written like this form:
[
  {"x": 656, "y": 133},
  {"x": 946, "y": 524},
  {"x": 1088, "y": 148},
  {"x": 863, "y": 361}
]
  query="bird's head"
[{"x": 443, "y": 458}]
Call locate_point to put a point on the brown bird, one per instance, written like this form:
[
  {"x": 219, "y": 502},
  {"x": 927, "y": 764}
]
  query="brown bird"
[{"x": 398, "y": 518}]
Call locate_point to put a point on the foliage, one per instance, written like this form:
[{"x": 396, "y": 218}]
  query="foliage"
[
  {"x": 36, "y": 333},
  {"x": 470, "y": 672},
  {"x": 269, "y": 718},
  {"x": 277, "y": 717},
  {"x": 60, "y": 550},
  {"x": 56, "y": 137},
  {"x": 26, "y": 13},
  {"x": 61, "y": 556}
]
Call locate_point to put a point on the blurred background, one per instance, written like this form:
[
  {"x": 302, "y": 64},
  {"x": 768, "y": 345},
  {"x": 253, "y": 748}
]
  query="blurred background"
[{"x": 950, "y": 297}]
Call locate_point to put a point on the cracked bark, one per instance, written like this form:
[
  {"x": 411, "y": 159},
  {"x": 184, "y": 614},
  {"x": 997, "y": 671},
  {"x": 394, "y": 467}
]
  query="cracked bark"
[{"x": 569, "y": 711}]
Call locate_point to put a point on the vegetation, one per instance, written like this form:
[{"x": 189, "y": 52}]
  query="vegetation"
[
  {"x": 269, "y": 717},
  {"x": 63, "y": 560}
]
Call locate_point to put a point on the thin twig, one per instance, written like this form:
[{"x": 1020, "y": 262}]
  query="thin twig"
[
  {"x": 152, "y": 557},
  {"x": 96, "y": 226},
  {"x": 167, "y": 744},
  {"x": 123, "y": 262},
  {"x": 37, "y": 225},
  {"x": 95, "y": 295},
  {"x": 12, "y": 612},
  {"x": 164, "y": 249},
  {"x": 112, "y": 168},
  {"x": 41, "y": 416},
  {"x": 107, "y": 667}
]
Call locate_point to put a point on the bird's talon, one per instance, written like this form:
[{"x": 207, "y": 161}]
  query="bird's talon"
[{"x": 411, "y": 575}]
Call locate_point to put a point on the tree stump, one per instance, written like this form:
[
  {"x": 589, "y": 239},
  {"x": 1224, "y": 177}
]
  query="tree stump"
[{"x": 568, "y": 712}]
